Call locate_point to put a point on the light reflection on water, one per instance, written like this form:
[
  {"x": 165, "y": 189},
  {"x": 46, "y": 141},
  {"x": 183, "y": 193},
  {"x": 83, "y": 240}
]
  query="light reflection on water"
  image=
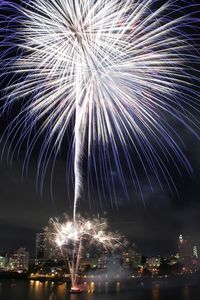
[
  {"x": 36, "y": 290},
  {"x": 155, "y": 293},
  {"x": 186, "y": 293}
]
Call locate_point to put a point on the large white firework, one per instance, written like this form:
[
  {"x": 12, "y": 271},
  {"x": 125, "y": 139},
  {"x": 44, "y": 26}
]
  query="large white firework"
[
  {"x": 119, "y": 71},
  {"x": 95, "y": 231},
  {"x": 69, "y": 238}
]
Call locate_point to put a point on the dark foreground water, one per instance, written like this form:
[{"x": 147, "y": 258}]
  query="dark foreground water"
[{"x": 35, "y": 290}]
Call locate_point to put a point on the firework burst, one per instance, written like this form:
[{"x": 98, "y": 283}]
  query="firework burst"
[
  {"x": 120, "y": 72},
  {"x": 69, "y": 238},
  {"x": 95, "y": 230}
]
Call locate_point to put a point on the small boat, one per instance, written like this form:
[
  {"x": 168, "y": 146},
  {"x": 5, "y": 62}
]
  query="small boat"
[
  {"x": 75, "y": 290},
  {"x": 42, "y": 279}
]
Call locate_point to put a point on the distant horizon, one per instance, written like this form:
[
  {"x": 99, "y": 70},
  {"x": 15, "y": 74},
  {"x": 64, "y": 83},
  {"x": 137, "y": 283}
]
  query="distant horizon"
[{"x": 161, "y": 250}]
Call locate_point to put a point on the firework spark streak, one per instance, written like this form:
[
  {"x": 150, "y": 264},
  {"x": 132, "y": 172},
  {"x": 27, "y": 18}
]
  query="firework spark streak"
[
  {"x": 120, "y": 71},
  {"x": 63, "y": 234}
]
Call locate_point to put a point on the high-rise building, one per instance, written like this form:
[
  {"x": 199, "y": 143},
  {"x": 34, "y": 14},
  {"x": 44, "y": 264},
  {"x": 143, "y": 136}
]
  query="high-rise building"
[
  {"x": 2, "y": 262},
  {"x": 189, "y": 250},
  {"x": 195, "y": 251},
  {"x": 131, "y": 257},
  {"x": 44, "y": 250},
  {"x": 185, "y": 247}
]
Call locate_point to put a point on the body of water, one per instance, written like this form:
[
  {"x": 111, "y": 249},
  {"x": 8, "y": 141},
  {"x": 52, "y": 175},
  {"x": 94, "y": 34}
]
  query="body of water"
[{"x": 35, "y": 290}]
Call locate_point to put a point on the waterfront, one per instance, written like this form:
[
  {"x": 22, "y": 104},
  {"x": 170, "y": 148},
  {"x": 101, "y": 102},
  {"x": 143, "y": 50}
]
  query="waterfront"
[{"x": 35, "y": 290}]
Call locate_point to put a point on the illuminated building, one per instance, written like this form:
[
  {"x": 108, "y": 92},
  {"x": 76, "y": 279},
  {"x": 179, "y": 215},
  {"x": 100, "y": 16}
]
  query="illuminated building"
[
  {"x": 189, "y": 250},
  {"x": 153, "y": 262},
  {"x": 131, "y": 257},
  {"x": 195, "y": 251},
  {"x": 102, "y": 262},
  {"x": 2, "y": 262},
  {"x": 18, "y": 260}
]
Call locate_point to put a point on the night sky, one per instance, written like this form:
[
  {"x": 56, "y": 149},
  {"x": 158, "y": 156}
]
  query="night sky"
[{"x": 153, "y": 223}]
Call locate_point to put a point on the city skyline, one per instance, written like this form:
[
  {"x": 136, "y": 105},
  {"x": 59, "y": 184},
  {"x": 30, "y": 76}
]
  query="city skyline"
[
  {"x": 99, "y": 145},
  {"x": 188, "y": 253}
]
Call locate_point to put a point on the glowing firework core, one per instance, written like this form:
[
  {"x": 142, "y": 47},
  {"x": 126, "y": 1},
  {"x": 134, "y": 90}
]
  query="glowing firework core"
[
  {"x": 67, "y": 233},
  {"x": 94, "y": 230}
]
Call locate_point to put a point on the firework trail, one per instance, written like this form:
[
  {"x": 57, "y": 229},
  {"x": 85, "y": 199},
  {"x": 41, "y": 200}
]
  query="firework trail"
[
  {"x": 121, "y": 73},
  {"x": 94, "y": 232}
]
